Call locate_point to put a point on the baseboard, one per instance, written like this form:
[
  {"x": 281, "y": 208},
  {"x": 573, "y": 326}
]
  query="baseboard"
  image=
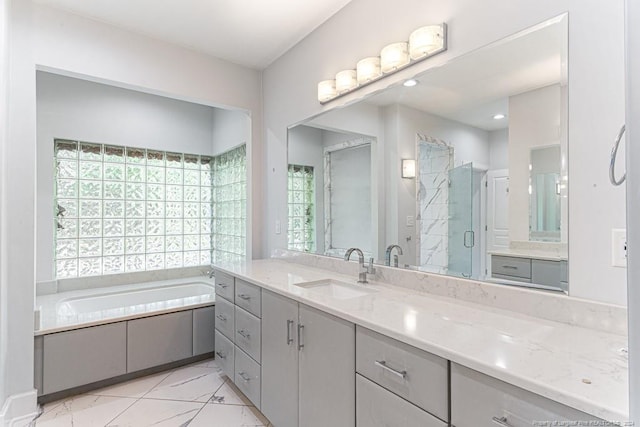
[{"x": 19, "y": 409}]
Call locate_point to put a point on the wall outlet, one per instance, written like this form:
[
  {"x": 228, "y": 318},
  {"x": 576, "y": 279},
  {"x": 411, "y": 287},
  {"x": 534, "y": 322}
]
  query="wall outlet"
[
  {"x": 278, "y": 227},
  {"x": 619, "y": 247},
  {"x": 410, "y": 221}
]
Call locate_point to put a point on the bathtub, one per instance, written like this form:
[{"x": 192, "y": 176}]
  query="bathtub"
[{"x": 68, "y": 310}]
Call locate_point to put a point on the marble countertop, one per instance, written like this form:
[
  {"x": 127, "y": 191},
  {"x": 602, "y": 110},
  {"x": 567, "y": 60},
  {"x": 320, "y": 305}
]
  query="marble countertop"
[
  {"x": 531, "y": 253},
  {"x": 56, "y": 316},
  {"x": 578, "y": 367}
]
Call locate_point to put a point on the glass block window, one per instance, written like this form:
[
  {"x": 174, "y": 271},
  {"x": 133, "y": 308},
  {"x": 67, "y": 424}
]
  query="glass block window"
[
  {"x": 122, "y": 209},
  {"x": 230, "y": 205},
  {"x": 300, "y": 230}
]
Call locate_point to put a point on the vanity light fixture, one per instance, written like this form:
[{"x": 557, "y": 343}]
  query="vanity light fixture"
[
  {"x": 394, "y": 56},
  {"x": 499, "y": 116},
  {"x": 408, "y": 168},
  {"x": 410, "y": 83},
  {"x": 425, "y": 40},
  {"x": 368, "y": 69},
  {"x": 346, "y": 80},
  {"x": 327, "y": 90},
  {"x": 423, "y": 43}
]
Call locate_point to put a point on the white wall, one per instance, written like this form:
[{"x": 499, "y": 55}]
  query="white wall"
[
  {"x": 75, "y": 109},
  {"x": 595, "y": 80},
  {"x": 534, "y": 121},
  {"x": 5, "y": 11},
  {"x": 499, "y": 149},
  {"x": 17, "y": 229},
  {"x": 68, "y": 44}
]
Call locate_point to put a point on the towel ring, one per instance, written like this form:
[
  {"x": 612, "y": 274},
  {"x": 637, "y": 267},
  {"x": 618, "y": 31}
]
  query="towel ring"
[{"x": 614, "y": 154}]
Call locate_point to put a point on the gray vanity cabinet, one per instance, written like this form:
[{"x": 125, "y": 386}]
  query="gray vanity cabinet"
[
  {"x": 478, "y": 400},
  {"x": 308, "y": 356},
  {"x": 279, "y": 360},
  {"x": 83, "y": 356}
]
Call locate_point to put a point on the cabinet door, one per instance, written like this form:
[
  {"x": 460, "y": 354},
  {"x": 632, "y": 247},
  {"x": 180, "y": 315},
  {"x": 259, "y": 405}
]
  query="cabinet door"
[
  {"x": 203, "y": 330},
  {"x": 154, "y": 341},
  {"x": 84, "y": 356},
  {"x": 279, "y": 360},
  {"x": 326, "y": 369}
]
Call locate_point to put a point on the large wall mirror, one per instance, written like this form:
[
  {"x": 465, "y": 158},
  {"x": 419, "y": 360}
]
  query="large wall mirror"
[{"x": 463, "y": 173}]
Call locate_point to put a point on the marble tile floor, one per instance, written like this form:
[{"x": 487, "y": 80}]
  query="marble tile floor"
[{"x": 194, "y": 395}]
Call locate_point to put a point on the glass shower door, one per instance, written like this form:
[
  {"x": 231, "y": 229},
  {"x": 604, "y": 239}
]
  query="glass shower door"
[{"x": 461, "y": 238}]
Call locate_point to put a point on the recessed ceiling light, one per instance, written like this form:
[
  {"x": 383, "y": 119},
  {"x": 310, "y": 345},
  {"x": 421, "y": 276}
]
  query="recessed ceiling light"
[
  {"x": 410, "y": 83},
  {"x": 499, "y": 116}
]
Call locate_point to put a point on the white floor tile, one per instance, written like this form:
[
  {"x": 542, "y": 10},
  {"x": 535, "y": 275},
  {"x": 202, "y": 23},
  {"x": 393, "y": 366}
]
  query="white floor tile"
[
  {"x": 209, "y": 363},
  {"x": 228, "y": 394},
  {"x": 229, "y": 416},
  {"x": 160, "y": 413},
  {"x": 135, "y": 388},
  {"x": 193, "y": 384},
  {"x": 84, "y": 411}
]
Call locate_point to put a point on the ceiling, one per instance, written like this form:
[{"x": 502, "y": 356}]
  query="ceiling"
[
  {"x": 253, "y": 33},
  {"x": 473, "y": 88}
]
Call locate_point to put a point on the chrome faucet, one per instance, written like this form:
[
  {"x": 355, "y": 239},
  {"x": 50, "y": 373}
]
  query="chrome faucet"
[
  {"x": 210, "y": 273},
  {"x": 364, "y": 269},
  {"x": 387, "y": 255}
]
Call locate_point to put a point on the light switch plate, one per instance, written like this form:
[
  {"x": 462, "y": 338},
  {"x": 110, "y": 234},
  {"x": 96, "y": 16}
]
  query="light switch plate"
[
  {"x": 278, "y": 228},
  {"x": 619, "y": 247},
  {"x": 410, "y": 221}
]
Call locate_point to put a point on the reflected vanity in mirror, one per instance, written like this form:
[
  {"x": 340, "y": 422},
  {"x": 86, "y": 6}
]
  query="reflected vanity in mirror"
[{"x": 488, "y": 197}]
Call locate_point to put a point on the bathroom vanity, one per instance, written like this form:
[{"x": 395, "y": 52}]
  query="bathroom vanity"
[{"x": 433, "y": 361}]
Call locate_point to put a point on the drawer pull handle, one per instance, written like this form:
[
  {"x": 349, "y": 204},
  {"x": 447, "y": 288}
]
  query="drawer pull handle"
[
  {"x": 289, "y": 325},
  {"x": 244, "y": 334},
  {"x": 383, "y": 365},
  {"x": 223, "y": 286},
  {"x": 220, "y": 355},
  {"x": 300, "y": 343},
  {"x": 245, "y": 297},
  {"x": 221, "y": 317},
  {"x": 510, "y": 267},
  {"x": 246, "y": 378},
  {"x": 502, "y": 421}
]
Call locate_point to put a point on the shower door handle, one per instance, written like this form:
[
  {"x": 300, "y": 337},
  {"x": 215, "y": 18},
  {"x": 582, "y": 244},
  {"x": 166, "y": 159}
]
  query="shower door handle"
[
  {"x": 614, "y": 154},
  {"x": 472, "y": 235}
]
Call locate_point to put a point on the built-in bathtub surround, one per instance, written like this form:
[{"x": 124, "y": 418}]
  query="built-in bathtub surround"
[
  {"x": 545, "y": 305},
  {"x": 90, "y": 307},
  {"x": 435, "y": 160}
]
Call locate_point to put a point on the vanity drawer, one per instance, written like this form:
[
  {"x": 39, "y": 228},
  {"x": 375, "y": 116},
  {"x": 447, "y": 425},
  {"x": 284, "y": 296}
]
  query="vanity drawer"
[
  {"x": 225, "y": 318},
  {"x": 476, "y": 399},
  {"x": 377, "y": 407},
  {"x": 511, "y": 266},
  {"x": 225, "y": 355},
  {"x": 383, "y": 360},
  {"x": 224, "y": 285},
  {"x": 545, "y": 272},
  {"x": 247, "y": 377},
  {"x": 247, "y": 333},
  {"x": 248, "y": 296}
]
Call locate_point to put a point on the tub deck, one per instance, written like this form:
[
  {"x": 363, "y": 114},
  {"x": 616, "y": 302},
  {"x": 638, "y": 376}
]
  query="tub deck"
[{"x": 78, "y": 309}]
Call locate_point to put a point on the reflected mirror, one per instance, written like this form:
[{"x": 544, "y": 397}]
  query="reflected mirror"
[
  {"x": 488, "y": 199},
  {"x": 544, "y": 187}
]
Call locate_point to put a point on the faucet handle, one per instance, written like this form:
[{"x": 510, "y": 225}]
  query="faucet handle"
[{"x": 370, "y": 268}]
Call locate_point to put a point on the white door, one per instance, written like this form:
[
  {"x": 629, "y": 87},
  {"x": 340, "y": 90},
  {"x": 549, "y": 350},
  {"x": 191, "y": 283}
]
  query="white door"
[{"x": 497, "y": 209}]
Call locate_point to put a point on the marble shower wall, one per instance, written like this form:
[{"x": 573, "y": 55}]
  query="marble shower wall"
[{"x": 435, "y": 159}]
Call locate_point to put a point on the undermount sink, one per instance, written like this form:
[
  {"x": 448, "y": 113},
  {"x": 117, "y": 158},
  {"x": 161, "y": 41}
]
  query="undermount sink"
[{"x": 336, "y": 289}]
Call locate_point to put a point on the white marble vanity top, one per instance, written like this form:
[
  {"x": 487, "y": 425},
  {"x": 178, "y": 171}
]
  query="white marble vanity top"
[
  {"x": 90, "y": 307},
  {"x": 530, "y": 253},
  {"x": 578, "y": 367}
]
